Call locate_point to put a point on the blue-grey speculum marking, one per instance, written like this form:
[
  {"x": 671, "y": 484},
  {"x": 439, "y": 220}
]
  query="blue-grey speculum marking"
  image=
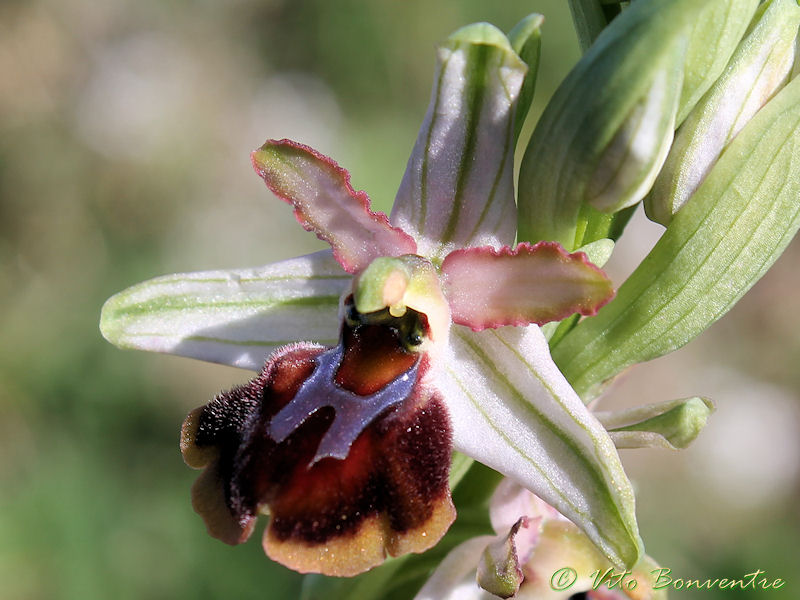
[{"x": 354, "y": 413}]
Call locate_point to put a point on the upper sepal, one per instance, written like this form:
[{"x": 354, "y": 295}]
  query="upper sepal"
[
  {"x": 458, "y": 186},
  {"x": 529, "y": 284},
  {"x": 324, "y": 202}
]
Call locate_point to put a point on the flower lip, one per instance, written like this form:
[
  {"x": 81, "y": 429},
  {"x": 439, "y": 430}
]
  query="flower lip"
[{"x": 384, "y": 448}]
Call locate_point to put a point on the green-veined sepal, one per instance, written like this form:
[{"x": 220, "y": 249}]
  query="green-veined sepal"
[
  {"x": 458, "y": 187},
  {"x": 512, "y": 410},
  {"x": 234, "y": 317}
]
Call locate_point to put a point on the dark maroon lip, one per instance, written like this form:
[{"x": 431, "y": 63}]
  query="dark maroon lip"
[{"x": 331, "y": 440}]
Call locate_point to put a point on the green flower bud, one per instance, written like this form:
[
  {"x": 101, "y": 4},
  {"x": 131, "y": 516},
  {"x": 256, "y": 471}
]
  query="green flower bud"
[
  {"x": 713, "y": 40},
  {"x": 499, "y": 569},
  {"x": 758, "y": 69},
  {"x": 726, "y": 237},
  {"x": 674, "y": 424},
  {"x": 605, "y": 134}
]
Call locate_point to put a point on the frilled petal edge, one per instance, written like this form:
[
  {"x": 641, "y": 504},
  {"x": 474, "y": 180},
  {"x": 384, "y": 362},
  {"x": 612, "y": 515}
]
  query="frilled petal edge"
[
  {"x": 324, "y": 202},
  {"x": 529, "y": 284}
]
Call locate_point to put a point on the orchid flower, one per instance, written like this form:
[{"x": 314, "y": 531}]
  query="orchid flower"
[
  {"x": 536, "y": 554},
  {"x": 424, "y": 338},
  {"x": 418, "y": 334}
]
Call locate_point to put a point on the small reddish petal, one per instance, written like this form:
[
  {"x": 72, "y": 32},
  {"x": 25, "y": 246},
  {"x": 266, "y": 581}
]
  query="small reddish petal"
[
  {"x": 324, "y": 202},
  {"x": 529, "y": 284}
]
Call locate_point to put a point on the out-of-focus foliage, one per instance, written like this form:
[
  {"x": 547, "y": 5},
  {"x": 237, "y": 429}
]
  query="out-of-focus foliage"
[{"x": 125, "y": 129}]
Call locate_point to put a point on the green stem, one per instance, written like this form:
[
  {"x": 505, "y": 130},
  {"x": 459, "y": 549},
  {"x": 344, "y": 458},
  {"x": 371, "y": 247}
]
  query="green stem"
[{"x": 590, "y": 17}]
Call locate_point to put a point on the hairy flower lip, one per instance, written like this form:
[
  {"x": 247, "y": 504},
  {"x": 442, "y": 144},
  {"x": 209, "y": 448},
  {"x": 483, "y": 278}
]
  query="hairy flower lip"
[
  {"x": 403, "y": 453},
  {"x": 363, "y": 409}
]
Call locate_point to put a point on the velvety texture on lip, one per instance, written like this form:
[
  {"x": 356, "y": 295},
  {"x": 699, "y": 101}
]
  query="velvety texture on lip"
[{"x": 389, "y": 495}]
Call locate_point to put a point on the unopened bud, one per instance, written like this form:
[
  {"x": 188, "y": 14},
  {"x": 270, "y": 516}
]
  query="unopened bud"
[
  {"x": 674, "y": 424},
  {"x": 499, "y": 570},
  {"x": 607, "y": 130},
  {"x": 759, "y": 68}
]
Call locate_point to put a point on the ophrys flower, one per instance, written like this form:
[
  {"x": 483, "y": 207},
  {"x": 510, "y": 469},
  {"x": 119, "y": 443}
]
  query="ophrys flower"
[{"x": 348, "y": 444}]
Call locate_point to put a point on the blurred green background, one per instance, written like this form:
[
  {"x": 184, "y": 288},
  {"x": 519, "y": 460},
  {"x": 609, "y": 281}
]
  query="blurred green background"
[{"x": 125, "y": 128}]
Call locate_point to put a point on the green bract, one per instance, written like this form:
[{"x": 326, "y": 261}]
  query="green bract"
[
  {"x": 607, "y": 129},
  {"x": 722, "y": 241},
  {"x": 673, "y": 424},
  {"x": 758, "y": 69},
  {"x": 526, "y": 40}
]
